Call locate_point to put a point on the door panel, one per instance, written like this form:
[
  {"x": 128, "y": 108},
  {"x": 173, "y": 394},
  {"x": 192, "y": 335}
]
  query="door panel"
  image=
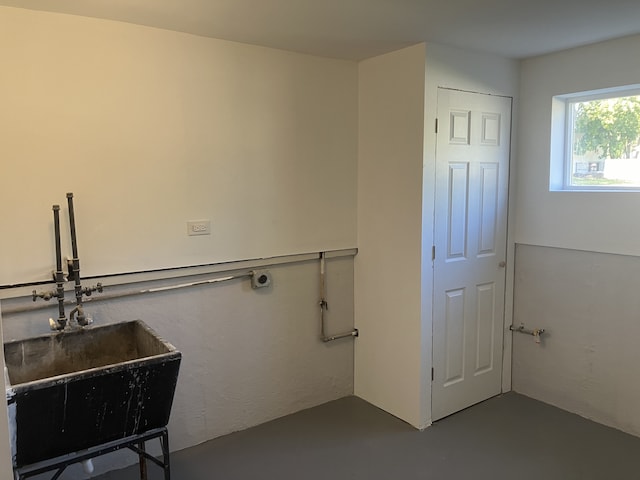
[
  {"x": 485, "y": 319},
  {"x": 458, "y": 202},
  {"x": 471, "y": 194},
  {"x": 488, "y": 208},
  {"x": 455, "y": 336}
]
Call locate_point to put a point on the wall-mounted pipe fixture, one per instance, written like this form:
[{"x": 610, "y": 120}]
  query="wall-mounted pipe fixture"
[
  {"x": 59, "y": 274},
  {"x": 194, "y": 284},
  {"x": 536, "y": 333},
  {"x": 77, "y": 312},
  {"x": 260, "y": 278},
  {"x": 325, "y": 306},
  {"x": 130, "y": 293},
  {"x": 75, "y": 267}
]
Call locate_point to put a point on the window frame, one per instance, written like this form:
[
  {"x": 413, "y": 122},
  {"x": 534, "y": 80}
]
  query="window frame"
[{"x": 563, "y": 126}]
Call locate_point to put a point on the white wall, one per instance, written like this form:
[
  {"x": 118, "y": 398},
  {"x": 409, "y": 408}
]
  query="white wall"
[
  {"x": 583, "y": 292},
  {"x": 596, "y": 222},
  {"x": 388, "y": 361},
  {"x": 396, "y": 174},
  {"x": 151, "y": 128},
  {"x": 471, "y": 71},
  {"x": 249, "y": 356},
  {"x": 588, "y": 360}
]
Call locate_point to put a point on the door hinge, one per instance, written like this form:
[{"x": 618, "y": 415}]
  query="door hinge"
[
  {"x": 436, "y": 125},
  {"x": 433, "y": 253},
  {"x": 432, "y": 374}
]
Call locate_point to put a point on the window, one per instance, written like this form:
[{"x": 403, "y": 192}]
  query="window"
[{"x": 597, "y": 140}]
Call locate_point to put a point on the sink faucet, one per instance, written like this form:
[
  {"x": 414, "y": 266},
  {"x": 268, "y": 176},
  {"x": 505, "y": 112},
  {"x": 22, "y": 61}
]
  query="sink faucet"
[
  {"x": 77, "y": 314},
  {"x": 83, "y": 320},
  {"x": 74, "y": 274}
]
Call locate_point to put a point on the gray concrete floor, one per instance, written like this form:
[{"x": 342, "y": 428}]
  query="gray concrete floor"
[{"x": 508, "y": 437}]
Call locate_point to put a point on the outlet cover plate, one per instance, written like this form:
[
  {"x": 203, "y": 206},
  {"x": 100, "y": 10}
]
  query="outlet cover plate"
[{"x": 198, "y": 227}]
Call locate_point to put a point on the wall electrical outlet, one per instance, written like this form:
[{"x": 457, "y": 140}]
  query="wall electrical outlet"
[{"x": 199, "y": 227}]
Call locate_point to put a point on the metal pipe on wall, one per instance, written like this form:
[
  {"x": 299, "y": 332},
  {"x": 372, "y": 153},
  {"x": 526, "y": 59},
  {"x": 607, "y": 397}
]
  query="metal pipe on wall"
[
  {"x": 74, "y": 249},
  {"x": 325, "y": 306},
  {"x": 194, "y": 284},
  {"x": 82, "y": 319},
  {"x": 536, "y": 333},
  {"x": 130, "y": 293},
  {"x": 59, "y": 274}
]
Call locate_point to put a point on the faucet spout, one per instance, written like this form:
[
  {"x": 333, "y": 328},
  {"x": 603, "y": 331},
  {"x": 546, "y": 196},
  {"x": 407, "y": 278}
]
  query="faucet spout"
[{"x": 81, "y": 318}]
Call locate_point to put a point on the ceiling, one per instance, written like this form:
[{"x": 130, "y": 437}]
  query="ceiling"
[{"x": 357, "y": 29}]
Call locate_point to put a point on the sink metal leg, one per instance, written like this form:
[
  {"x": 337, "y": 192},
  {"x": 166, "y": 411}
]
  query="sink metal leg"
[
  {"x": 164, "y": 442},
  {"x": 142, "y": 461},
  {"x": 136, "y": 443}
]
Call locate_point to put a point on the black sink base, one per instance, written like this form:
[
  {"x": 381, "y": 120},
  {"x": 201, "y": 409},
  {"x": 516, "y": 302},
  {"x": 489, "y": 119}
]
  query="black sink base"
[
  {"x": 83, "y": 388},
  {"x": 135, "y": 443}
]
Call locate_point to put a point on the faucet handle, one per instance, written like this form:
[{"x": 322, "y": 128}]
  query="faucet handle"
[
  {"x": 56, "y": 325},
  {"x": 89, "y": 290},
  {"x": 44, "y": 295}
]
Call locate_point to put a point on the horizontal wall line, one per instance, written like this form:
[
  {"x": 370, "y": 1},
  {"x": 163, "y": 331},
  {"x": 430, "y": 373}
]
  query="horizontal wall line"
[
  {"x": 586, "y": 250},
  {"x": 121, "y": 279}
]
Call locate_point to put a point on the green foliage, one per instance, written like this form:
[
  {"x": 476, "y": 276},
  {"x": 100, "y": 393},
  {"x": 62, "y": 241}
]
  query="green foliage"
[{"x": 610, "y": 128}]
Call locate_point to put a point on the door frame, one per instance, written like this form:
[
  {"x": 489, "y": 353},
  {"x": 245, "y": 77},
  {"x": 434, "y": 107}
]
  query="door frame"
[{"x": 507, "y": 343}]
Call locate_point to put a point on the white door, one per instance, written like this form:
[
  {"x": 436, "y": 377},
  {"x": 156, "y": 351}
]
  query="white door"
[{"x": 471, "y": 194}]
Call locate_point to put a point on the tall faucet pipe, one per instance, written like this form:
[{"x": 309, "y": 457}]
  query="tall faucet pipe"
[
  {"x": 74, "y": 248},
  {"x": 62, "y": 319}
]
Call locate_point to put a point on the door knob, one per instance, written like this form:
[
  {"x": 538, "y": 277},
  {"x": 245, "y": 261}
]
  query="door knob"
[{"x": 502, "y": 264}]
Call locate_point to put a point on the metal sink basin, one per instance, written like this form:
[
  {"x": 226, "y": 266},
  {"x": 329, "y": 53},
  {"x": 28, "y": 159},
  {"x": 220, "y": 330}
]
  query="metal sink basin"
[{"x": 78, "y": 389}]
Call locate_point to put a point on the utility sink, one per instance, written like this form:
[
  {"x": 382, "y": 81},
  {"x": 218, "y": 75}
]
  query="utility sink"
[{"x": 81, "y": 388}]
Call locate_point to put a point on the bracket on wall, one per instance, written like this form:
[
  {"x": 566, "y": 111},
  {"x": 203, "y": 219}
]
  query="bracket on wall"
[{"x": 536, "y": 333}]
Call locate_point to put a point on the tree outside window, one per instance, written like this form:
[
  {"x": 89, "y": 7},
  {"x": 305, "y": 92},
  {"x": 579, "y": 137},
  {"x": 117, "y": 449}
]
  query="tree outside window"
[{"x": 605, "y": 142}]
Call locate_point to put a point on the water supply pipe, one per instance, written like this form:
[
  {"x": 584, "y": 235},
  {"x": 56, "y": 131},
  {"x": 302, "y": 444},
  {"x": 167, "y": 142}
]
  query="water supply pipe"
[
  {"x": 99, "y": 287},
  {"x": 325, "y": 306},
  {"x": 536, "y": 333},
  {"x": 74, "y": 272},
  {"x": 193, "y": 284},
  {"x": 81, "y": 317},
  {"x": 59, "y": 274}
]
